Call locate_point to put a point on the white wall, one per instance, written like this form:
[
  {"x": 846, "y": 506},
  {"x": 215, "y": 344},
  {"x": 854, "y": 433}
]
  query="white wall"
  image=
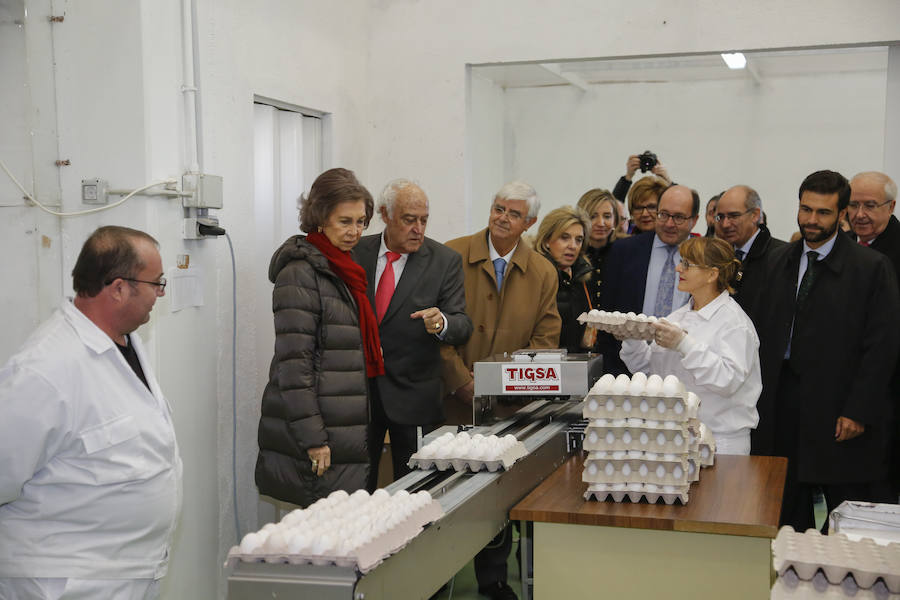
[
  {"x": 710, "y": 135},
  {"x": 418, "y": 74}
]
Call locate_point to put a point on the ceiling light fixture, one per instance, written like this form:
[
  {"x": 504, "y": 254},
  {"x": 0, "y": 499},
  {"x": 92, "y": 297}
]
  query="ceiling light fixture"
[{"x": 735, "y": 60}]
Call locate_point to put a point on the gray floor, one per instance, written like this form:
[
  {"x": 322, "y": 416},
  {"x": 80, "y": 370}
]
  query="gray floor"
[{"x": 464, "y": 587}]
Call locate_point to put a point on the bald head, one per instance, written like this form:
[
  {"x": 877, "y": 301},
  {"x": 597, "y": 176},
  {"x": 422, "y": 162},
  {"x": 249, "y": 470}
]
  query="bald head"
[
  {"x": 873, "y": 196},
  {"x": 677, "y": 203},
  {"x": 737, "y": 215}
]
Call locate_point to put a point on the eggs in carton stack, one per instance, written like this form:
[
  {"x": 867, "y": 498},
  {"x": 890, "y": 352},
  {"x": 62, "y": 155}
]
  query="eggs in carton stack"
[
  {"x": 621, "y": 325},
  {"x": 644, "y": 439},
  {"x": 812, "y": 565},
  {"x": 350, "y": 530},
  {"x": 476, "y": 452}
]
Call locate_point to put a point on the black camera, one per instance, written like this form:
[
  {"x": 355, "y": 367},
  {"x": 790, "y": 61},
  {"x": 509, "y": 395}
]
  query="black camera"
[{"x": 648, "y": 161}]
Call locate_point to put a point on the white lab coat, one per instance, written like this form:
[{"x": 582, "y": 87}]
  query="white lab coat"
[
  {"x": 90, "y": 475},
  {"x": 718, "y": 360}
]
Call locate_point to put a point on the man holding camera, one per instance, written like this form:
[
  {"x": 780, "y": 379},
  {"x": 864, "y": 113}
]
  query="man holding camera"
[{"x": 647, "y": 161}]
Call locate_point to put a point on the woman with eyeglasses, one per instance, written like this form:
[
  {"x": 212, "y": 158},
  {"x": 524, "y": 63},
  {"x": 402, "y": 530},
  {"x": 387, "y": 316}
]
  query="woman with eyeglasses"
[
  {"x": 710, "y": 344},
  {"x": 643, "y": 201},
  {"x": 560, "y": 239},
  {"x": 315, "y": 408}
]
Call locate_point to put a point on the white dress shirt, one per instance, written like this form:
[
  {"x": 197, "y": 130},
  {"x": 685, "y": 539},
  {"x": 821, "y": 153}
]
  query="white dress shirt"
[
  {"x": 658, "y": 257},
  {"x": 399, "y": 265},
  {"x": 90, "y": 475},
  {"x": 718, "y": 360}
]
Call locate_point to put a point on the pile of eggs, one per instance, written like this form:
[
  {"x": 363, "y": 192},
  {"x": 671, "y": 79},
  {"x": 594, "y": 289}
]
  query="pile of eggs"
[
  {"x": 643, "y": 439},
  {"x": 475, "y": 452},
  {"x": 623, "y": 325},
  {"x": 355, "y": 529}
]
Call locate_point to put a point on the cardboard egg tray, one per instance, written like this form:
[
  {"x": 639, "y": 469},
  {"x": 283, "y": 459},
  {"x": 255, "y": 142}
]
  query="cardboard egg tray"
[
  {"x": 365, "y": 557},
  {"x": 837, "y": 557},
  {"x": 660, "y": 408},
  {"x": 791, "y": 587},
  {"x": 506, "y": 460},
  {"x": 630, "y": 470},
  {"x": 634, "y": 492},
  {"x": 663, "y": 437},
  {"x": 638, "y": 327}
]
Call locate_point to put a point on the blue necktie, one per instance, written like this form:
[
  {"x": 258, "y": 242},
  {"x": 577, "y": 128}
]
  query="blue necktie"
[
  {"x": 739, "y": 254},
  {"x": 499, "y": 269},
  {"x": 666, "y": 287}
]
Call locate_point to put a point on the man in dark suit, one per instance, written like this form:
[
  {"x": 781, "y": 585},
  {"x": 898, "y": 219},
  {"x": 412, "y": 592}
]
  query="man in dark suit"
[
  {"x": 737, "y": 219},
  {"x": 416, "y": 288},
  {"x": 873, "y": 196},
  {"x": 829, "y": 339},
  {"x": 640, "y": 270}
]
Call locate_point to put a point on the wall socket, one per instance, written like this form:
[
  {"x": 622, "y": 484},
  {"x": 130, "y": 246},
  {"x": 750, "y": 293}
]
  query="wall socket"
[{"x": 94, "y": 191}]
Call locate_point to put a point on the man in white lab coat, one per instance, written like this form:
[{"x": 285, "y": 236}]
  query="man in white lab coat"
[{"x": 90, "y": 476}]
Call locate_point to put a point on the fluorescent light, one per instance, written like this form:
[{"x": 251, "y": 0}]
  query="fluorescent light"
[{"x": 735, "y": 60}]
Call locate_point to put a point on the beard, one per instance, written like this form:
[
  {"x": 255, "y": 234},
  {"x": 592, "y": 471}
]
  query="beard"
[{"x": 813, "y": 235}]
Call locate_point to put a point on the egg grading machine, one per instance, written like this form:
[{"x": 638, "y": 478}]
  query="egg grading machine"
[{"x": 476, "y": 505}]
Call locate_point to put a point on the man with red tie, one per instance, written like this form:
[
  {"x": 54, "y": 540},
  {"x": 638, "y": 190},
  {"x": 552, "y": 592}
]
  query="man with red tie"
[{"x": 416, "y": 288}]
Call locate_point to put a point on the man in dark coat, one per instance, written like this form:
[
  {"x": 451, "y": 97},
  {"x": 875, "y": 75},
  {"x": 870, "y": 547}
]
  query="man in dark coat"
[
  {"x": 873, "y": 196},
  {"x": 639, "y": 267},
  {"x": 737, "y": 219},
  {"x": 416, "y": 288},
  {"x": 829, "y": 338}
]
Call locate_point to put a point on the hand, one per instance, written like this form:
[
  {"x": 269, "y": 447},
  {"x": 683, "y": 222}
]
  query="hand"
[
  {"x": 320, "y": 458},
  {"x": 668, "y": 335},
  {"x": 432, "y": 318},
  {"x": 466, "y": 393},
  {"x": 631, "y": 165},
  {"x": 847, "y": 429},
  {"x": 660, "y": 171}
]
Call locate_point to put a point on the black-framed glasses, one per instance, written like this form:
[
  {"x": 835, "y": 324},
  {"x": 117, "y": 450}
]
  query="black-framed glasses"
[
  {"x": 650, "y": 209},
  {"x": 161, "y": 283},
  {"x": 664, "y": 216},
  {"x": 732, "y": 216},
  {"x": 868, "y": 206}
]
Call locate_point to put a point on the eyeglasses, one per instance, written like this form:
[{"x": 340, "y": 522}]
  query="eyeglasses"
[
  {"x": 732, "y": 216},
  {"x": 513, "y": 215},
  {"x": 869, "y": 206},
  {"x": 649, "y": 209},
  {"x": 160, "y": 284},
  {"x": 677, "y": 219}
]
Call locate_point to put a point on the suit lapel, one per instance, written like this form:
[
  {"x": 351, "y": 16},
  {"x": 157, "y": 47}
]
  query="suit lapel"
[
  {"x": 367, "y": 251},
  {"x": 414, "y": 270}
]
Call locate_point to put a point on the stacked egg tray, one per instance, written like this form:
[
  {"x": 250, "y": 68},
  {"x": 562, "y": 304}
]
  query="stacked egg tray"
[
  {"x": 621, "y": 325},
  {"x": 811, "y": 557},
  {"x": 644, "y": 439},
  {"x": 348, "y": 530},
  {"x": 462, "y": 452}
]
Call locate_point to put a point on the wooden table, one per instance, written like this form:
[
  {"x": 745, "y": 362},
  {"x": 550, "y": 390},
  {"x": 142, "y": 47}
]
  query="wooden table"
[{"x": 715, "y": 546}]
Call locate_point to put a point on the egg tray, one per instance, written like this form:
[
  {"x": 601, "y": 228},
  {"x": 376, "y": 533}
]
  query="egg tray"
[
  {"x": 622, "y": 326},
  {"x": 680, "y": 471},
  {"x": 791, "y": 587},
  {"x": 707, "y": 455},
  {"x": 664, "y": 437},
  {"x": 504, "y": 462},
  {"x": 364, "y": 558},
  {"x": 837, "y": 557},
  {"x": 610, "y": 406},
  {"x": 634, "y": 492}
]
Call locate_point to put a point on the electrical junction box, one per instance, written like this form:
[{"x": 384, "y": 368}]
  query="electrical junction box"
[
  {"x": 206, "y": 190},
  {"x": 94, "y": 191}
]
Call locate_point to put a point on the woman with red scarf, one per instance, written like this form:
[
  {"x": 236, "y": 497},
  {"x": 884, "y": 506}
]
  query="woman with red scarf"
[{"x": 315, "y": 408}]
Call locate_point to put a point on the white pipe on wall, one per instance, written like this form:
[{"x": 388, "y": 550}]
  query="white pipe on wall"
[{"x": 189, "y": 88}]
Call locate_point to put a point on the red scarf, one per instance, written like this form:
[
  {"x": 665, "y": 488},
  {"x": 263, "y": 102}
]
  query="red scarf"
[{"x": 355, "y": 277}]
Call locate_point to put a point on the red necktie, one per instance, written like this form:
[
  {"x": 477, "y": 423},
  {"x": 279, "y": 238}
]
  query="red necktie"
[
  {"x": 862, "y": 243},
  {"x": 386, "y": 285}
]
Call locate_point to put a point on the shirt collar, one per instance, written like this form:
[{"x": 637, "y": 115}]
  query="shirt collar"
[
  {"x": 658, "y": 243},
  {"x": 746, "y": 247},
  {"x": 383, "y": 249},
  {"x": 91, "y": 336},
  {"x": 823, "y": 250},
  {"x": 710, "y": 309},
  {"x": 493, "y": 251}
]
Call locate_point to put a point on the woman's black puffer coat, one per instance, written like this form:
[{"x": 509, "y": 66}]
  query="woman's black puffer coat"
[{"x": 317, "y": 390}]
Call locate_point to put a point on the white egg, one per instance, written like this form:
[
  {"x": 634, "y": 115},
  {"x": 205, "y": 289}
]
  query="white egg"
[
  {"x": 251, "y": 544},
  {"x": 605, "y": 383},
  {"x": 338, "y": 496},
  {"x": 594, "y": 314},
  {"x": 510, "y": 440},
  {"x": 636, "y": 387},
  {"x": 620, "y": 387},
  {"x": 652, "y": 319},
  {"x": 654, "y": 385},
  {"x": 276, "y": 544},
  {"x": 641, "y": 318},
  {"x": 671, "y": 386},
  {"x": 269, "y": 528},
  {"x": 298, "y": 543}
]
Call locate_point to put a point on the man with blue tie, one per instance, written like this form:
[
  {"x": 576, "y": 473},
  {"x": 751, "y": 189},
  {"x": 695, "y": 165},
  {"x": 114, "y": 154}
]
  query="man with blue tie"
[
  {"x": 829, "y": 338},
  {"x": 511, "y": 298},
  {"x": 640, "y": 270}
]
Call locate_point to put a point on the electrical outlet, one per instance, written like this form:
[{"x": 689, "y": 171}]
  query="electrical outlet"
[{"x": 94, "y": 191}]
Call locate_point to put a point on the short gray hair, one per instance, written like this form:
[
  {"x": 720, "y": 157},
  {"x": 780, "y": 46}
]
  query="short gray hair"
[
  {"x": 752, "y": 199},
  {"x": 389, "y": 194},
  {"x": 519, "y": 190},
  {"x": 890, "y": 188}
]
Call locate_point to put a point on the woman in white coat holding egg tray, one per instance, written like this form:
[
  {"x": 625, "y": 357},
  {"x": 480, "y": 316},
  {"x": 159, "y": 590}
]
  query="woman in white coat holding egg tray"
[{"x": 710, "y": 344}]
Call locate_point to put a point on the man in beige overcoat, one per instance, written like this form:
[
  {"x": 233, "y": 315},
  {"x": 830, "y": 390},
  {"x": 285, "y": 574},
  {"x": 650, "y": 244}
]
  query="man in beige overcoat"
[{"x": 511, "y": 299}]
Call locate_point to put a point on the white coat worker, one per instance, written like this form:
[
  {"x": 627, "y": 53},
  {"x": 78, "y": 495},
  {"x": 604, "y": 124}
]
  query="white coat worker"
[{"x": 90, "y": 476}]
